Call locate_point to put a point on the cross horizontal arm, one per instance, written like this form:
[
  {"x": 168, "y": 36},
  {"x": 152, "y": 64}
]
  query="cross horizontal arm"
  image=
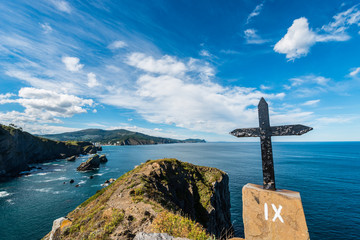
[
  {"x": 246, "y": 132},
  {"x": 288, "y": 130}
]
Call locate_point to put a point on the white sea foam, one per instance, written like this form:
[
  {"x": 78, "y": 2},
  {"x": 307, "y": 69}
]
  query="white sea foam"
[
  {"x": 54, "y": 179},
  {"x": 42, "y": 174},
  {"x": 98, "y": 174},
  {"x": 44, "y": 190},
  {"x": 82, "y": 182},
  {"x": 10, "y": 201},
  {"x": 4, "y": 194},
  {"x": 59, "y": 170}
]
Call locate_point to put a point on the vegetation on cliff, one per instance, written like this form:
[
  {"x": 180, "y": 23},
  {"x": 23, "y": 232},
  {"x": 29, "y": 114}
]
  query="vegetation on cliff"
[
  {"x": 19, "y": 148},
  {"x": 116, "y": 137},
  {"x": 165, "y": 195}
]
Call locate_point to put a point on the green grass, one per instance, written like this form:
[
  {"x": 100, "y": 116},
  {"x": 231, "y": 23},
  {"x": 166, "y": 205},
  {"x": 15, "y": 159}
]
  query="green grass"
[{"x": 179, "y": 226}]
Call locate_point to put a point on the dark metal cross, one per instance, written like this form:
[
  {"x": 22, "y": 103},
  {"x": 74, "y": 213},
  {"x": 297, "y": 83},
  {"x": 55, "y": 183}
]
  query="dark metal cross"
[{"x": 265, "y": 131}]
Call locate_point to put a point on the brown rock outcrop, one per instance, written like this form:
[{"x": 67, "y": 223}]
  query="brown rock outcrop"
[
  {"x": 103, "y": 158},
  {"x": 91, "y": 164},
  {"x": 165, "y": 190}
]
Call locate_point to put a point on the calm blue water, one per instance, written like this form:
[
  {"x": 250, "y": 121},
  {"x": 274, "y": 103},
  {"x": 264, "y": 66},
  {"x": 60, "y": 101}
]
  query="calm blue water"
[{"x": 326, "y": 174}]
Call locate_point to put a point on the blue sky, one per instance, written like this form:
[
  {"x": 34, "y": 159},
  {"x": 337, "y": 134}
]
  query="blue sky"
[{"x": 181, "y": 69}]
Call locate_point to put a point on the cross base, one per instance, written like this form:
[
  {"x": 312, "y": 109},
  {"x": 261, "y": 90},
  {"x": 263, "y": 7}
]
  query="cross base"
[{"x": 269, "y": 215}]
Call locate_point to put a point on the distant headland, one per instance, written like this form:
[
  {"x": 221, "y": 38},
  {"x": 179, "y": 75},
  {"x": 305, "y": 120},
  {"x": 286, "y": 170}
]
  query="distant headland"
[{"x": 116, "y": 137}]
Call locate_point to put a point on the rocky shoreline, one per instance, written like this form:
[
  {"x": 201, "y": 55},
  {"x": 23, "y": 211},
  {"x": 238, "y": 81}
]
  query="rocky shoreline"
[{"x": 19, "y": 149}]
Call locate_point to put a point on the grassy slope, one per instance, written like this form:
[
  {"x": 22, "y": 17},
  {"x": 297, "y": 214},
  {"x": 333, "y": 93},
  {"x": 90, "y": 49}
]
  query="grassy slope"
[{"x": 97, "y": 218}]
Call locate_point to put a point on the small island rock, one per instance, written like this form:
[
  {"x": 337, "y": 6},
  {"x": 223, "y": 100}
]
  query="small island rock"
[
  {"x": 72, "y": 181},
  {"x": 103, "y": 159},
  {"x": 92, "y": 163}
]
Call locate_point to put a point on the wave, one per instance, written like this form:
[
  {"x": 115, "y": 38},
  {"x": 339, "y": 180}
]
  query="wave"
[
  {"x": 48, "y": 190},
  {"x": 4, "y": 194},
  {"x": 42, "y": 174},
  {"x": 54, "y": 179},
  {"x": 82, "y": 182}
]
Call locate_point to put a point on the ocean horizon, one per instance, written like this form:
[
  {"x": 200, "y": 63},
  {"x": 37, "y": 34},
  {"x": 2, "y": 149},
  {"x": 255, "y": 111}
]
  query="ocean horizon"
[{"x": 325, "y": 174}]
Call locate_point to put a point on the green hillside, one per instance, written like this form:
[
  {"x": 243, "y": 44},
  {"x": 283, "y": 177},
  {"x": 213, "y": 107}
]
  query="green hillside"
[{"x": 115, "y": 137}]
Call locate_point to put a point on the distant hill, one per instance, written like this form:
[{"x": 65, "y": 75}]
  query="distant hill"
[{"x": 115, "y": 137}]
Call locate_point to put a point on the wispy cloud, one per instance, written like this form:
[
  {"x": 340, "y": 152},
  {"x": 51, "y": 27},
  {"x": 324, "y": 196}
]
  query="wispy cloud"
[
  {"x": 255, "y": 12},
  {"x": 252, "y": 37},
  {"x": 62, "y": 5},
  {"x": 311, "y": 102},
  {"x": 46, "y": 27},
  {"x": 164, "y": 65},
  {"x": 205, "y": 53},
  {"x": 308, "y": 85},
  {"x": 300, "y": 37},
  {"x": 354, "y": 72},
  {"x": 117, "y": 44}
]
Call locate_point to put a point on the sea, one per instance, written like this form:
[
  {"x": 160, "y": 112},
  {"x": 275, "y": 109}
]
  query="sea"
[{"x": 327, "y": 175}]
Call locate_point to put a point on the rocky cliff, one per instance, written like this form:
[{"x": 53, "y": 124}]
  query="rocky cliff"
[
  {"x": 19, "y": 148},
  {"x": 167, "y": 196}
]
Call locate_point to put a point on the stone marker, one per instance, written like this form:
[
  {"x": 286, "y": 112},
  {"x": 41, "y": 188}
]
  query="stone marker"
[
  {"x": 270, "y": 213},
  {"x": 273, "y": 214}
]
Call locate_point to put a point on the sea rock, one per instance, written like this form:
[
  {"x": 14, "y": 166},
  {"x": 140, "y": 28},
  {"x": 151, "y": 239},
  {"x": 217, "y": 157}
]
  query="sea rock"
[
  {"x": 156, "y": 236},
  {"x": 91, "y": 177},
  {"x": 71, "y": 159},
  {"x": 271, "y": 215},
  {"x": 156, "y": 193},
  {"x": 58, "y": 226},
  {"x": 99, "y": 148},
  {"x": 111, "y": 180},
  {"x": 103, "y": 158},
  {"x": 91, "y": 164},
  {"x": 77, "y": 185},
  {"x": 90, "y": 149},
  {"x": 72, "y": 181}
]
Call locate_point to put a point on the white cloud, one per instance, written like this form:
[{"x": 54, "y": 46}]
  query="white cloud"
[
  {"x": 46, "y": 27},
  {"x": 309, "y": 79},
  {"x": 186, "y": 102},
  {"x": 311, "y": 102},
  {"x": 72, "y": 64},
  {"x": 255, "y": 12},
  {"x": 92, "y": 82},
  {"x": 253, "y": 38},
  {"x": 117, "y": 45},
  {"x": 6, "y": 96},
  {"x": 263, "y": 87},
  {"x": 297, "y": 41},
  {"x": 342, "y": 21},
  {"x": 204, "y": 53},
  {"x": 165, "y": 65},
  {"x": 300, "y": 38},
  {"x": 62, "y": 5},
  {"x": 44, "y": 106},
  {"x": 355, "y": 72},
  {"x": 309, "y": 85}
]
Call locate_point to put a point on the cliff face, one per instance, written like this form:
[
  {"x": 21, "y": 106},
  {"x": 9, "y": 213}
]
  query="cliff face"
[
  {"x": 169, "y": 196},
  {"x": 18, "y": 149}
]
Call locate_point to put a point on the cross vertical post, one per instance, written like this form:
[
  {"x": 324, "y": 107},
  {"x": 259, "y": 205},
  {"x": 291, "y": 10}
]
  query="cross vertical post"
[{"x": 266, "y": 146}]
